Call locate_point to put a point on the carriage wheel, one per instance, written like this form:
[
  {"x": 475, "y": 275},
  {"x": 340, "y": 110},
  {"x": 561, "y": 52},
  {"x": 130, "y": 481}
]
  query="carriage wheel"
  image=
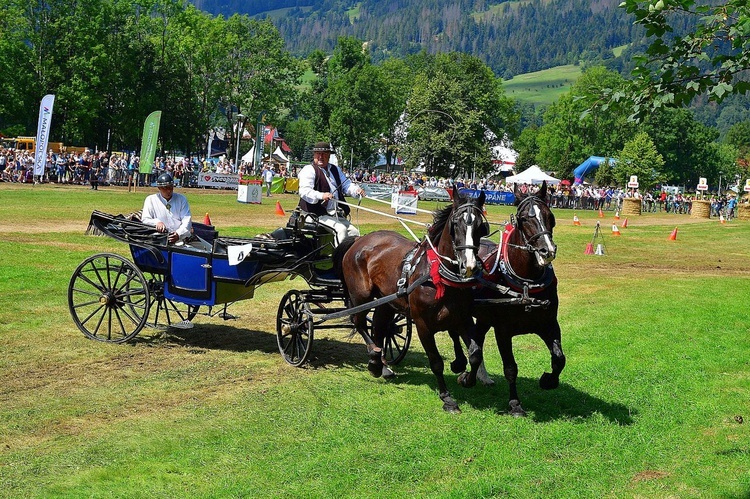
[
  {"x": 164, "y": 312},
  {"x": 108, "y": 298},
  {"x": 294, "y": 329},
  {"x": 397, "y": 338}
]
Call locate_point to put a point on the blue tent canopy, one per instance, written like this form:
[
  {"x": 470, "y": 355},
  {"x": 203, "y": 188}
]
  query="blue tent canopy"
[{"x": 589, "y": 166}]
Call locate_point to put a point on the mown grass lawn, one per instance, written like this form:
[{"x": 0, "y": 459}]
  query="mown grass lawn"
[{"x": 654, "y": 401}]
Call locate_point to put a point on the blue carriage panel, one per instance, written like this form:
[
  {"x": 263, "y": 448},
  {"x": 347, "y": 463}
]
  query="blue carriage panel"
[
  {"x": 146, "y": 261},
  {"x": 189, "y": 279},
  {"x": 241, "y": 272}
]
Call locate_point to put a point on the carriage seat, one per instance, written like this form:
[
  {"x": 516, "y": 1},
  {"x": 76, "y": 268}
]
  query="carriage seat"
[{"x": 299, "y": 221}]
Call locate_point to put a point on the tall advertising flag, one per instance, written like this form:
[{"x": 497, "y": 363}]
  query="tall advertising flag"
[
  {"x": 42, "y": 134},
  {"x": 148, "y": 142}
]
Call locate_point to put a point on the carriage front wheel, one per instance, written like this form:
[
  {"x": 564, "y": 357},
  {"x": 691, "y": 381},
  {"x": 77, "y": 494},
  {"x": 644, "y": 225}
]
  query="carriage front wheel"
[
  {"x": 108, "y": 298},
  {"x": 294, "y": 328}
]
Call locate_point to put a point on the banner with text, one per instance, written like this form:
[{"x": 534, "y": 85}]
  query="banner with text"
[
  {"x": 220, "y": 180},
  {"x": 148, "y": 142},
  {"x": 42, "y": 134}
]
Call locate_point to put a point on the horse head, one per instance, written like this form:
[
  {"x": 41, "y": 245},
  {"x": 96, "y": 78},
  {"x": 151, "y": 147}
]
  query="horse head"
[
  {"x": 535, "y": 222},
  {"x": 468, "y": 226}
]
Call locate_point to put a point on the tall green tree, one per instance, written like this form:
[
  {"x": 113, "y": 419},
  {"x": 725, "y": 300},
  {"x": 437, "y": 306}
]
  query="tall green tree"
[
  {"x": 575, "y": 127},
  {"x": 456, "y": 112},
  {"x": 355, "y": 93},
  {"x": 639, "y": 157}
]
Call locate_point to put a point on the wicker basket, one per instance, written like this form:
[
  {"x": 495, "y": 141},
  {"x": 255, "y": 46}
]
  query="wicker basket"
[
  {"x": 631, "y": 206},
  {"x": 701, "y": 209}
]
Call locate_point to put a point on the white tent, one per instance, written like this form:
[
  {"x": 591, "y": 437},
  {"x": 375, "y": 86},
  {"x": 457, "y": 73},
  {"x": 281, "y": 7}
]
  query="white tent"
[
  {"x": 278, "y": 152},
  {"x": 249, "y": 156},
  {"x": 532, "y": 175}
]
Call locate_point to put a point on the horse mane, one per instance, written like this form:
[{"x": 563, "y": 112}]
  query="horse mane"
[{"x": 440, "y": 217}]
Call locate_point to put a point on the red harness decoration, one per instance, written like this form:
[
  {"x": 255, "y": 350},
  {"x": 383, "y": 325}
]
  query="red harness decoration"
[{"x": 437, "y": 279}]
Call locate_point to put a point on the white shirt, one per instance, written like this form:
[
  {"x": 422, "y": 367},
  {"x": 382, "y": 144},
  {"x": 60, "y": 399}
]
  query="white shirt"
[
  {"x": 177, "y": 217},
  {"x": 268, "y": 175},
  {"x": 307, "y": 190}
]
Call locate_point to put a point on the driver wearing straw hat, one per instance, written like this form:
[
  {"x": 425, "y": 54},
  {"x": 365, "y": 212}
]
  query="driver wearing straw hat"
[{"x": 321, "y": 185}]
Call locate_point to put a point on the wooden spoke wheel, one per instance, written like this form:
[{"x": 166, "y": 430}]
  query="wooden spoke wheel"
[
  {"x": 164, "y": 312},
  {"x": 108, "y": 298},
  {"x": 294, "y": 328}
]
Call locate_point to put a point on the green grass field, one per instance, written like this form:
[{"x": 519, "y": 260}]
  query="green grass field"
[
  {"x": 542, "y": 87},
  {"x": 654, "y": 400}
]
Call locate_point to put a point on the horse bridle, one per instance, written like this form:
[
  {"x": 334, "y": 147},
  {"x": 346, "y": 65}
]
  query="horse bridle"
[
  {"x": 455, "y": 220},
  {"x": 519, "y": 221}
]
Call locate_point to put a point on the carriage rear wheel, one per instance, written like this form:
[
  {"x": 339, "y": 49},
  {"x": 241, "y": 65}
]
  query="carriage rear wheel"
[
  {"x": 108, "y": 298},
  {"x": 164, "y": 312},
  {"x": 397, "y": 338},
  {"x": 294, "y": 328}
]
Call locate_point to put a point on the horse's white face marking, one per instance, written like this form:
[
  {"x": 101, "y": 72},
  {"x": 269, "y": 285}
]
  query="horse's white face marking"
[
  {"x": 471, "y": 262},
  {"x": 535, "y": 212}
]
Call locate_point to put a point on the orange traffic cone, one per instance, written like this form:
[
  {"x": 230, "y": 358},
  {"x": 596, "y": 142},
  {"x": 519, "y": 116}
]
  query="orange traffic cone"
[
  {"x": 601, "y": 213},
  {"x": 624, "y": 224},
  {"x": 279, "y": 209},
  {"x": 673, "y": 235},
  {"x": 589, "y": 249},
  {"x": 615, "y": 230},
  {"x": 722, "y": 220},
  {"x": 617, "y": 215},
  {"x": 207, "y": 220},
  {"x": 575, "y": 220}
]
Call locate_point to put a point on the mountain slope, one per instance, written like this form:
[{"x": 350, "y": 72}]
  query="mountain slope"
[{"x": 511, "y": 37}]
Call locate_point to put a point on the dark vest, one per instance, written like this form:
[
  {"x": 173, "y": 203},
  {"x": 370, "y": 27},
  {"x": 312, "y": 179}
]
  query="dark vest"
[{"x": 321, "y": 185}]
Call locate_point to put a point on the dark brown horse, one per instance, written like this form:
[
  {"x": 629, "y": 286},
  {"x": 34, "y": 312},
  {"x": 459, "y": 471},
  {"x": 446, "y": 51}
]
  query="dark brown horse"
[
  {"x": 432, "y": 281},
  {"x": 521, "y": 264}
]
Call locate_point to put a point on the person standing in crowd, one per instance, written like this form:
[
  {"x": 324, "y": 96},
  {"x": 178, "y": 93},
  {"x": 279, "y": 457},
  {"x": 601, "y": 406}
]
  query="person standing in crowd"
[
  {"x": 321, "y": 185},
  {"x": 267, "y": 175}
]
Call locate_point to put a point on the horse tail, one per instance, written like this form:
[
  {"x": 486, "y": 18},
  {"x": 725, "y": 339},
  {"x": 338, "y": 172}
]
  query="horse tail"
[{"x": 338, "y": 257}]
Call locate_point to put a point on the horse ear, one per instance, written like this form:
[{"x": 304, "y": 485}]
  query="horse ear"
[
  {"x": 517, "y": 195},
  {"x": 543, "y": 190},
  {"x": 456, "y": 196},
  {"x": 481, "y": 199}
]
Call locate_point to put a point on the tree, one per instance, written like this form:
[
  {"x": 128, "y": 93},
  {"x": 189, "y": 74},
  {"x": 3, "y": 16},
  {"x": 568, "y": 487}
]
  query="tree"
[
  {"x": 456, "y": 112},
  {"x": 576, "y": 128},
  {"x": 708, "y": 59},
  {"x": 354, "y": 95},
  {"x": 639, "y": 157}
]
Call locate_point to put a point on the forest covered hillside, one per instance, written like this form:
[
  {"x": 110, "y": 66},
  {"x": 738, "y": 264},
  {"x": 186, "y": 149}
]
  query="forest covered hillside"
[{"x": 511, "y": 37}]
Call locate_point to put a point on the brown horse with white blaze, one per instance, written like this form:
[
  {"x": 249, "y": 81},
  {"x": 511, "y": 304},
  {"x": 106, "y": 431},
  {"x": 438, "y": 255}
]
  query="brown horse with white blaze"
[
  {"x": 522, "y": 265},
  {"x": 431, "y": 281}
]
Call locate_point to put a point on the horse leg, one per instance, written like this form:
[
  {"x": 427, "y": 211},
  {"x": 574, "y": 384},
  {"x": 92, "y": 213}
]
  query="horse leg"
[
  {"x": 427, "y": 338},
  {"x": 510, "y": 369},
  {"x": 469, "y": 379},
  {"x": 550, "y": 381},
  {"x": 458, "y": 365},
  {"x": 480, "y": 332},
  {"x": 381, "y": 320},
  {"x": 375, "y": 364}
]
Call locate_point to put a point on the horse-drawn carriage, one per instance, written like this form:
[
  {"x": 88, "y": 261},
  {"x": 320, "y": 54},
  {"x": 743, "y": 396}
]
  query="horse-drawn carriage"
[
  {"x": 112, "y": 298},
  {"x": 383, "y": 281}
]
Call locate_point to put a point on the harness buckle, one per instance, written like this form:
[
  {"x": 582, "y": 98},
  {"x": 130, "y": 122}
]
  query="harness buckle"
[{"x": 401, "y": 282}]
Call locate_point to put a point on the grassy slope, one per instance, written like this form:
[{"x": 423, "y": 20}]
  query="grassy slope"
[
  {"x": 542, "y": 87},
  {"x": 657, "y": 372}
]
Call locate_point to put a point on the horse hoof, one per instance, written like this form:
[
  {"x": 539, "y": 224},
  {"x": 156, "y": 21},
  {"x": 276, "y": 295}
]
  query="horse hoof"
[
  {"x": 466, "y": 381},
  {"x": 458, "y": 366},
  {"x": 516, "y": 410},
  {"x": 449, "y": 405},
  {"x": 375, "y": 368},
  {"x": 387, "y": 373},
  {"x": 548, "y": 381}
]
